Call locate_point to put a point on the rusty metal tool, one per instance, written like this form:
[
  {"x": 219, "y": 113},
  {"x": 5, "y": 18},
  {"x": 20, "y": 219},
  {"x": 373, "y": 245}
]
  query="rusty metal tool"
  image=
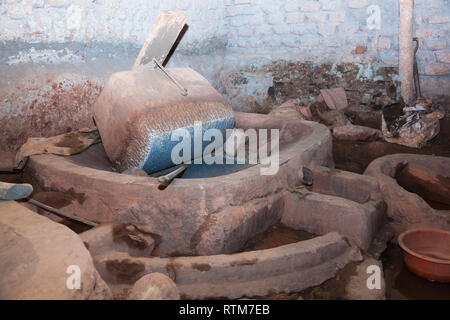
[{"x": 416, "y": 70}]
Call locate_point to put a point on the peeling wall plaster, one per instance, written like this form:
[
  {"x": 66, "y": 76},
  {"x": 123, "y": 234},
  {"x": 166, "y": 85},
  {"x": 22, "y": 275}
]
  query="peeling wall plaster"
[{"x": 240, "y": 46}]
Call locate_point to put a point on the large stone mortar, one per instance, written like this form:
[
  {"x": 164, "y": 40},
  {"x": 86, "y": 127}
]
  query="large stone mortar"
[{"x": 192, "y": 216}]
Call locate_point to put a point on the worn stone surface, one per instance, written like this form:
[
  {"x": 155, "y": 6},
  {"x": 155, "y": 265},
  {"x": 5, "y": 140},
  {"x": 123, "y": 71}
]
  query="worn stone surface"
[
  {"x": 46, "y": 249},
  {"x": 138, "y": 111},
  {"x": 335, "y": 205},
  {"x": 319, "y": 213},
  {"x": 117, "y": 237},
  {"x": 288, "y": 268},
  {"x": 342, "y": 183},
  {"x": 135, "y": 172},
  {"x": 356, "y": 133},
  {"x": 154, "y": 286}
]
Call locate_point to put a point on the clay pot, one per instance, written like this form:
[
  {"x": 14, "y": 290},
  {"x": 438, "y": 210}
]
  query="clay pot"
[{"x": 427, "y": 253}]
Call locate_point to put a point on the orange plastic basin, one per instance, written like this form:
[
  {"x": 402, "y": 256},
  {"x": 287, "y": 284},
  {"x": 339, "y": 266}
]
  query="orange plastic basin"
[{"x": 427, "y": 253}]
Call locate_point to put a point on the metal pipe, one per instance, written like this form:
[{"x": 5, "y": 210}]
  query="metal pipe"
[{"x": 406, "y": 50}]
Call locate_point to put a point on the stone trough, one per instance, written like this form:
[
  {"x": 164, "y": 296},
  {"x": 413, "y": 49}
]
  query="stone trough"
[
  {"x": 416, "y": 189},
  {"x": 288, "y": 268}
]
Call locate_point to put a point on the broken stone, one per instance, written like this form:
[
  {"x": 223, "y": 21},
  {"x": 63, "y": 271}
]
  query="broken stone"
[
  {"x": 336, "y": 99},
  {"x": 288, "y": 110},
  {"x": 154, "y": 286},
  {"x": 306, "y": 112},
  {"x": 50, "y": 260},
  {"x": 356, "y": 133}
]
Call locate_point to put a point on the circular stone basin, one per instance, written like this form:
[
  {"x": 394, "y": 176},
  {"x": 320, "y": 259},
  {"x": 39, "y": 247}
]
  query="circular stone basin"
[
  {"x": 195, "y": 216},
  {"x": 427, "y": 253},
  {"x": 415, "y": 188}
]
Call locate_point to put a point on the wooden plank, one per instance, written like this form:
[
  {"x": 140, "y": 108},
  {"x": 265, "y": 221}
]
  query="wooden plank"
[
  {"x": 61, "y": 214},
  {"x": 162, "y": 37}
]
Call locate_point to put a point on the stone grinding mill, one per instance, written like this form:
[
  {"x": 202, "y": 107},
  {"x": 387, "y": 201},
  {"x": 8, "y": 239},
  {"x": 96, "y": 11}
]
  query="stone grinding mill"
[{"x": 139, "y": 109}]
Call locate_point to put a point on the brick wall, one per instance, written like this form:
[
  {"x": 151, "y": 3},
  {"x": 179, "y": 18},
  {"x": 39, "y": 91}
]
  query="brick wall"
[
  {"x": 245, "y": 48},
  {"x": 338, "y": 31}
]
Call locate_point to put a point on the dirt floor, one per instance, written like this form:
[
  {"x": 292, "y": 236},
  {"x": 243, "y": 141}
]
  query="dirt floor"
[{"x": 276, "y": 236}]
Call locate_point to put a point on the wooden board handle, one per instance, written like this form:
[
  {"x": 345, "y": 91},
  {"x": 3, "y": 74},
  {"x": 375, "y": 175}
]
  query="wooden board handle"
[{"x": 162, "y": 37}]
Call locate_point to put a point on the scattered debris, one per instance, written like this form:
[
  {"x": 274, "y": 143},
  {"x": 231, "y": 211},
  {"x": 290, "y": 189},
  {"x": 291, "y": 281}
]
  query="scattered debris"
[{"x": 411, "y": 126}]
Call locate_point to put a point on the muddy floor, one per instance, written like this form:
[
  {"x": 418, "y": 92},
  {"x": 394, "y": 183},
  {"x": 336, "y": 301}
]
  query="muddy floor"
[{"x": 276, "y": 236}]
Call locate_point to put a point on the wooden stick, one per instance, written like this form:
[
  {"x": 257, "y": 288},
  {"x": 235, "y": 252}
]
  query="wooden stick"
[
  {"x": 162, "y": 37},
  {"x": 62, "y": 214}
]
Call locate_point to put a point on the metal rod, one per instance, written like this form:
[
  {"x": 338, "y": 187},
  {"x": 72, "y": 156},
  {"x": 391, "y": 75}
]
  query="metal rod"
[
  {"x": 167, "y": 179},
  {"x": 62, "y": 214},
  {"x": 416, "y": 71},
  {"x": 184, "y": 91}
]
